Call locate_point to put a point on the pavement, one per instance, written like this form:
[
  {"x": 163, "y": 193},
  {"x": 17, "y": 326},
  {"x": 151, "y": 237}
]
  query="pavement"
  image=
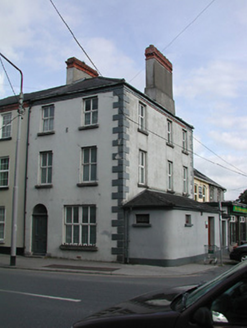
[{"x": 107, "y": 268}]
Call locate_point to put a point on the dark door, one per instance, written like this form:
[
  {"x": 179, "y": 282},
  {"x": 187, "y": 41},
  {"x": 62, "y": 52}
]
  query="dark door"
[{"x": 39, "y": 241}]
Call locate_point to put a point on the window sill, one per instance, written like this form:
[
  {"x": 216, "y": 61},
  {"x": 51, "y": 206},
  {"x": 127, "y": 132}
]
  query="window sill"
[
  {"x": 2, "y": 242},
  {"x": 169, "y": 144},
  {"x": 4, "y": 187},
  {"x": 143, "y": 131},
  {"x": 78, "y": 248},
  {"x": 88, "y": 127},
  {"x": 47, "y": 133},
  {"x": 6, "y": 139},
  {"x": 87, "y": 184},
  {"x": 185, "y": 152},
  {"x": 188, "y": 225},
  {"x": 141, "y": 225},
  {"x": 142, "y": 185},
  {"x": 44, "y": 186}
]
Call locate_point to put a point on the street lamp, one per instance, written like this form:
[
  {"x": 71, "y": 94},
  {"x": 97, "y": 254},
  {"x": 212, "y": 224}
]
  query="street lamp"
[{"x": 16, "y": 175}]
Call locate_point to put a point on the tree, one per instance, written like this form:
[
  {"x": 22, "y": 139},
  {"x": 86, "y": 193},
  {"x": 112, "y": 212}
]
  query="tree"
[{"x": 243, "y": 197}]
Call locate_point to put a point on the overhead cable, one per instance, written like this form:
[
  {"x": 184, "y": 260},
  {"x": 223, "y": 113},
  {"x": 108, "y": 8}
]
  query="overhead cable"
[{"x": 74, "y": 37}]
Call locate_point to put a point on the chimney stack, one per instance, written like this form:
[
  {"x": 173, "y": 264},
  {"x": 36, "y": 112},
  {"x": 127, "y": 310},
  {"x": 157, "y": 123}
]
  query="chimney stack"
[
  {"x": 77, "y": 70},
  {"x": 159, "y": 78}
]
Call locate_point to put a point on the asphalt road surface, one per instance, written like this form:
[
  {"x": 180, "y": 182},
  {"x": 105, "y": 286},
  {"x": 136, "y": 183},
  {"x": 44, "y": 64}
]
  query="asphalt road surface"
[{"x": 56, "y": 300}]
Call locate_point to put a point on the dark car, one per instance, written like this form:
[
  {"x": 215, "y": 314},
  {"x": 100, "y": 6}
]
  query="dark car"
[
  {"x": 220, "y": 302},
  {"x": 239, "y": 253}
]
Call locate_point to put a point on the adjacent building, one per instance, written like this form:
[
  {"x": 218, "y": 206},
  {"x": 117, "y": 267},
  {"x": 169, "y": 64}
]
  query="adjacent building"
[
  {"x": 9, "y": 112},
  {"x": 207, "y": 190}
]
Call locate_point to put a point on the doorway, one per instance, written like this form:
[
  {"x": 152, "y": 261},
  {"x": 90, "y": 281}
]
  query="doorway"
[
  {"x": 39, "y": 240},
  {"x": 211, "y": 231}
]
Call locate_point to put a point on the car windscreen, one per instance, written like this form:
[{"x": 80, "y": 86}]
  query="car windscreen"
[{"x": 188, "y": 298}]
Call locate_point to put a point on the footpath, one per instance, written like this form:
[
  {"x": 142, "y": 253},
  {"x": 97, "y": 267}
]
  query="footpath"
[{"x": 107, "y": 268}]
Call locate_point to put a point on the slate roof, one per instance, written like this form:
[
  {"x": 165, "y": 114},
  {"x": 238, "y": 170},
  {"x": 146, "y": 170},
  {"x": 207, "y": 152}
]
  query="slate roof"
[
  {"x": 157, "y": 199},
  {"x": 203, "y": 177},
  {"x": 77, "y": 86}
]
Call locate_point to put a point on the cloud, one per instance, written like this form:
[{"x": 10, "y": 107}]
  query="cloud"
[
  {"x": 233, "y": 140},
  {"x": 216, "y": 79}
]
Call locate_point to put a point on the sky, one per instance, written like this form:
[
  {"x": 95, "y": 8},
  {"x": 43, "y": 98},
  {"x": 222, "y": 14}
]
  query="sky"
[{"x": 205, "y": 40}]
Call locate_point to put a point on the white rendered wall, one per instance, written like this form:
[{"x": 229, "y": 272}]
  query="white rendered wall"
[{"x": 66, "y": 146}]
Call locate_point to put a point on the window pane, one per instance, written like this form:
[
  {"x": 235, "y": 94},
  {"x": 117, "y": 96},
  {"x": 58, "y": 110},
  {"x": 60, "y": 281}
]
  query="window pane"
[
  {"x": 68, "y": 234},
  {"x": 4, "y": 164},
  {"x": 69, "y": 214},
  {"x": 93, "y": 172},
  {"x": 45, "y": 112},
  {"x": 86, "y": 173},
  {"x": 85, "y": 235},
  {"x": 43, "y": 159},
  {"x": 49, "y": 159},
  {"x": 2, "y": 214},
  {"x": 76, "y": 235},
  {"x": 95, "y": 103},
  {"x": 52, "y": 111},
  {"x": 51, "y": 120},
  {"x": 92, "y": 235},
  {"x": 95, "y": 117},
  {"x": 86, "y": 155},
  {"x": 49, "y": 177},
  {"x": 87, "y": 104},
  {"x": 1, "y": 231},
  {"x": 43, "y": 175},
  {"x": 87, "y": 118},
  {"x": 93, "y": 155},
  {"x": 92, "y": 214},
  {"x": 85, "y": 214},
  {"x": 76, "y": 215}
]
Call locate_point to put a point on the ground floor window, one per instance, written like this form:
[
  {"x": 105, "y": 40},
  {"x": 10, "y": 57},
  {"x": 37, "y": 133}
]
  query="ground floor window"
[
  {"x": 142, "y": 219},
  {"x": 80, "y": 225},
  {"x": 233, "y": 233},
  {"x": 2, "y": 222}
]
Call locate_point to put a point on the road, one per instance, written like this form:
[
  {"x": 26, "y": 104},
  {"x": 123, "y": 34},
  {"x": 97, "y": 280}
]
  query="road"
[{"x": 56, "y": 300}]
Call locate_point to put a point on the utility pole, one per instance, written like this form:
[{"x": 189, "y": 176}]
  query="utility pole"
[{"x": 16, "y": 174}]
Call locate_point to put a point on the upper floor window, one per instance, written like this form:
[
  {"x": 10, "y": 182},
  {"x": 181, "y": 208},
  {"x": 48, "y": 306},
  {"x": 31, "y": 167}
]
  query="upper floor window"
[
  {"x": 185, "y": 141},
  {"x": 142, "y": 117},
  {"x": 90, "y": 106},
  {"x": 5, "y": 125},
  {"x": 185, "y": 180},
  {"x": 46, "y": 167},
  {"x": 4, "y": 172},
  {"x": 89, "y": 164},
  {"x": 80, "y": 225},
  {"x": 204, "y": 193},
  {"x": 170, "y": 175},
  {"x": 48, "y": 118},
  {"x": 2, "y": 222},
  {"x": 142, "y": 167},
  {"x": 169, "y": 132},
  {"x": 200, "y": 192},
  {"x": 196, "y": 192}
]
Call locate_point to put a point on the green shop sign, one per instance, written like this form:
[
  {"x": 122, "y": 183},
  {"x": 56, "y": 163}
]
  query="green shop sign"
[{"x": 239, "y": 209}]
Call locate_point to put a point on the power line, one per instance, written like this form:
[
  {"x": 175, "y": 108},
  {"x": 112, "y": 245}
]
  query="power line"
[
  {"x": 190, "y": 151},
  {"x": 180, "y": 33},
  {"x": 219, "y": 156},
  {"x": 186, "y": 27},
  {"x": 74, "y": 37}
]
